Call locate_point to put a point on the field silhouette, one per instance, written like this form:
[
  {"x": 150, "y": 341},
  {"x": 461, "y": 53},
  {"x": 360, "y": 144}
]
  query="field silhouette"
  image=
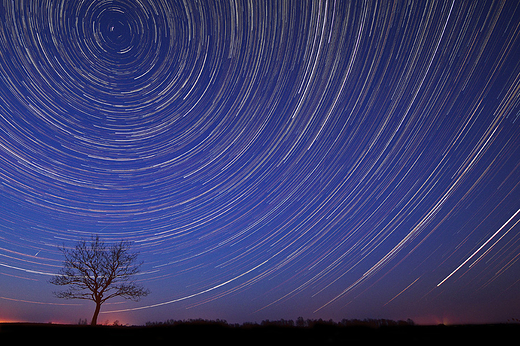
[{"x": 283, "y": 332}]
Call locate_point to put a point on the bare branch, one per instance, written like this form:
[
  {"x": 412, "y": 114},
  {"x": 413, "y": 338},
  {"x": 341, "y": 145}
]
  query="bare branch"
[{"x": 96, "y": 272}]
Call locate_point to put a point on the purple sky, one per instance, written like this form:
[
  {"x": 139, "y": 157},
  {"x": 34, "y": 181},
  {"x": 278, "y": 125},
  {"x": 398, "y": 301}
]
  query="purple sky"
[{"x": 323, "y": 159}]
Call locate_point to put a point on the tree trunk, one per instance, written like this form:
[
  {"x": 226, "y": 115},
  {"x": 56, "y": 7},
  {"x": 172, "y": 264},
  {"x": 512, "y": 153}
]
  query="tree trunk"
[{"x": 96, "y": 313}]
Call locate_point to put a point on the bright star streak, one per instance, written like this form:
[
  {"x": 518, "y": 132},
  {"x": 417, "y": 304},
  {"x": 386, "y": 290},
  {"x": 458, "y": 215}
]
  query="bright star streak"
[{"x": 480, "y": 248}]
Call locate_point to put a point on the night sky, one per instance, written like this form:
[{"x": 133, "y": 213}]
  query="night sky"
[{"x": 267, "y": 159}]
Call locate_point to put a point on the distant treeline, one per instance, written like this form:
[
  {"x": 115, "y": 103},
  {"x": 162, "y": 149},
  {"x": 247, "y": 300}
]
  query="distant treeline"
[{"x": 300, "y": 322}]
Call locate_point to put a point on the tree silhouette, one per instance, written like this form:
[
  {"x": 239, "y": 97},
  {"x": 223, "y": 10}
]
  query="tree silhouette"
[{"x": 94, "y": 271}]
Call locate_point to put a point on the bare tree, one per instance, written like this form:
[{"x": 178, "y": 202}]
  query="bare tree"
[{"x": 96, "y": 272}]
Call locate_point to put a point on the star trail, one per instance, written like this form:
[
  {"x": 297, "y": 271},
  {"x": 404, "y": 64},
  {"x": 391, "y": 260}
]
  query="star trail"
[{"x": 268, "y": 159}]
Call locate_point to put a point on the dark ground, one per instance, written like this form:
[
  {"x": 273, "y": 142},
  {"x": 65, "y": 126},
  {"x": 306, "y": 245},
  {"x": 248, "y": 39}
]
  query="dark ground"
[{"x": 55, "y": 334}]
